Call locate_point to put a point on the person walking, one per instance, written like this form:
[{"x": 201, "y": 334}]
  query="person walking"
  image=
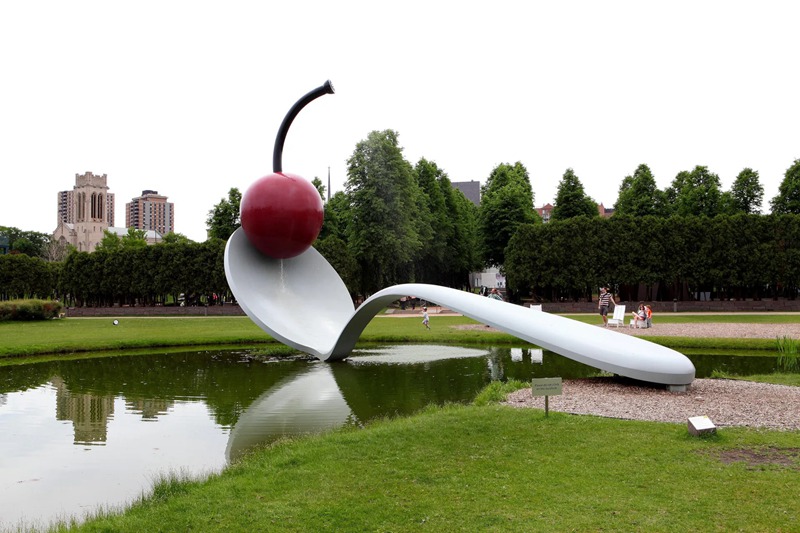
[
  {"x": 425, "y": 318},
  {"x": 602, "y": 304}
]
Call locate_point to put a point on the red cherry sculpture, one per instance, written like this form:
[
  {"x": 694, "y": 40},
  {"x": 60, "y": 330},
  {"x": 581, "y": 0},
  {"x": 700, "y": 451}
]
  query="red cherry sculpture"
[{"x": 282, "y": 213}]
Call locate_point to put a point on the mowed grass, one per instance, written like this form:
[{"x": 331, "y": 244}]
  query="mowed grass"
[
  {"x": 490, "y": 468},
  {"x": 87, "y": 334}
]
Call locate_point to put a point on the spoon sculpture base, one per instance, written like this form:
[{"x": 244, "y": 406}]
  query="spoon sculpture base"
[{"x": 303, "y": 303}]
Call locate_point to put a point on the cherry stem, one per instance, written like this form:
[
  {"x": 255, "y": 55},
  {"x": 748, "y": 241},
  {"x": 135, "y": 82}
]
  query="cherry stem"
[{"x": 277, "y": 153}]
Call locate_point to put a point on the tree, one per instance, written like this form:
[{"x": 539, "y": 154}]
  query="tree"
[
  {"x": 317, "y": 183},
  {"x": 788, "y": 197},
  {"x": 696, "y": 193},
  {"x": 571, "y": 200},
  {"x": 437, "y": 229},
  {"x": 223, "y": 220},
  {"x": 110, "y": 242},
  {"x": 747, "y": 192},
  {"x": 383, "y": 195},
  {"x": 506, "y": 203},
  {"x": 337, "y": 217},
  {"x": 639, "y": 195},
  {"x": 30, "y": 243},
  {"x": 174, "y": 238},
  {"x": 135, "y": 238}
]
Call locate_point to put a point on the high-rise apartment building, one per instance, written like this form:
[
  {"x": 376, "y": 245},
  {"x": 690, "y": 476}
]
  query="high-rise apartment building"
[{"x": 150, "y": 211}]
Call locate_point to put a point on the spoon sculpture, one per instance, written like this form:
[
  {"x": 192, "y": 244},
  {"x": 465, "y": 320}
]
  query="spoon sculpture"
[
  {"x": 291, "y": 292},
  {"x": 303, "y": 303}
]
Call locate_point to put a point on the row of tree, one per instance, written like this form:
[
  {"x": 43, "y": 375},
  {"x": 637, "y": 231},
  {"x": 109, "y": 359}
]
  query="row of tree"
[
  {"x": 739, "y": 256},
  {"x": 396, "y": 222},
  {"x": 132, "y": 275}
]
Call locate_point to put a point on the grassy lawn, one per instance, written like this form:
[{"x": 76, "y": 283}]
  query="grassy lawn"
[
  {"x": 491, "y": 468},
  {"x": 86, "y": 334}
]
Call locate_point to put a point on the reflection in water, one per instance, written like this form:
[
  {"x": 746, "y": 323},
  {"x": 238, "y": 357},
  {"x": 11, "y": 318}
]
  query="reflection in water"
[
  {"x": 89, "y": 413},
  {"x": 412, "y": 354},
  {"x": 308, "y": 402}
]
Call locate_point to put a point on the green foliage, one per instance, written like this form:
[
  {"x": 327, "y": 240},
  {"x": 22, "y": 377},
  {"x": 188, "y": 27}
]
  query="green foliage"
[
  {"x": 740, "y": 256},
  {"x": 223, "y": 219},
  {"x": 496, "y": 391},
  {"x": 506, "y": 204},
  {"x": 110, "y": 242},
  {"x": 571, "y": 200},
  {"x": 747, "y": 193},
  {"x": 384, "y": 230},
  {"x": 30, "y": 243},
  {"x": 145, "y": 275},
  {"x": 30, "y": 310},
  {"x": 695, "y": 193},
  {"x": 337, "y": 217},
  {"x": 789, "y": 358},
  {"x": 317, "y": 183},
  {"x": 788, "y": 197},
  {"x": 338, "y": 254},
  {"x": 175, "y": 238},
  {"x": 639, "y": 196},
  {"x": 23, "y": 276},
  {"x": 449, "y": 249}
]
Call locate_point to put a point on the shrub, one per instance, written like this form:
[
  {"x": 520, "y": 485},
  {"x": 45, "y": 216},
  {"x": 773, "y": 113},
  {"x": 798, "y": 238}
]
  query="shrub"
[
  {"x": 30, "y": 310},
  {"x": 788, "y": 360}
]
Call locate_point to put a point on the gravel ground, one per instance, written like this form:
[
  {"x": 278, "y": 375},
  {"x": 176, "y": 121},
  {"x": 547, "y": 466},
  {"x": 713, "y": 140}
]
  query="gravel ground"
[
  {"x": 740, "y": 331},
  {"x": 725, "y": 402}
]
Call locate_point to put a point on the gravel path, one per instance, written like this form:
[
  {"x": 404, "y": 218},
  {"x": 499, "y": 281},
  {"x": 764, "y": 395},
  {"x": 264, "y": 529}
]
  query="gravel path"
[{"x": 725, "y": 402}]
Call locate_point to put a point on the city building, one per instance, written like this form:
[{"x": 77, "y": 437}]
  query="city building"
[
  {"x": 471, "y": 189},
  {"x": 150, "y": 211},
  {"x": 86, "y": 212},
  {"x": 604, "y": 211},
  {"x": 547, "y": 210},
  {"x": 544, "y": 212}
]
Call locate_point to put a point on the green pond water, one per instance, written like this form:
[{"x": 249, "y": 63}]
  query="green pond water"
[{"x": 83, "y": 433}]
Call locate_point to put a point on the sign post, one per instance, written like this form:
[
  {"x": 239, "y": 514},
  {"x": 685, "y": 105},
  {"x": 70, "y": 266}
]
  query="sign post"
[{"x": 546, "y": 387}]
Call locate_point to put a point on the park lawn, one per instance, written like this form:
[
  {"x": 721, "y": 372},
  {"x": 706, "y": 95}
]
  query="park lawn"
[
  {"x": 490, "y": 468},
  {"x": 89, "y": 334}
]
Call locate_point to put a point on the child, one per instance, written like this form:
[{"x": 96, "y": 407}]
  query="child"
[
  {"x": 639, "y": 317},
  {"x": 425, "y": 318}
]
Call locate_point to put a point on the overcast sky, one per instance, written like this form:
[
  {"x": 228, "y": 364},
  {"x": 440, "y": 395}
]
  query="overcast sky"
[{"x": 185, "y": 97}]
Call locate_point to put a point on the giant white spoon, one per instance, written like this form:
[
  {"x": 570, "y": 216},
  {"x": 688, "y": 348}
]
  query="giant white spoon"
[{"x": 303, "y": 303}]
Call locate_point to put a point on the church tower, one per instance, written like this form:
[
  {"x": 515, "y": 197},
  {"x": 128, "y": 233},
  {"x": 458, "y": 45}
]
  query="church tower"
[{"x": 85, "y": 212}]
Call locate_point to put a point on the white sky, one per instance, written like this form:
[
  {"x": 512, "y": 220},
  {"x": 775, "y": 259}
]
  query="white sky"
[{"x": 185, "y": 97}]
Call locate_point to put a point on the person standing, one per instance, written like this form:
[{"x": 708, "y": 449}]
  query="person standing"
[
  {"x": 494, "y": 295},
  {"x": 603, "y": 302}
]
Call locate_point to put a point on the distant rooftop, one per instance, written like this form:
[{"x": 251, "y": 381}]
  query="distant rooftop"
[{"x": 471, "y": 189}]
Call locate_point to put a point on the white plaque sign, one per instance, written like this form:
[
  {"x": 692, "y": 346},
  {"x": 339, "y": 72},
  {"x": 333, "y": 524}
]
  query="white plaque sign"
[{"x": 546, "y": 386}]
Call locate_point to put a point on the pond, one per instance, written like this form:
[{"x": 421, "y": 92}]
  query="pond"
[{"x": 82, "y": 434}]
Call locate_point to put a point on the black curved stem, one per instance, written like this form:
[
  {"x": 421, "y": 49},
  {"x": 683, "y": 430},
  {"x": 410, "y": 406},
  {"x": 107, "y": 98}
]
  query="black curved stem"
[{"x": 277, "y": 152}]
